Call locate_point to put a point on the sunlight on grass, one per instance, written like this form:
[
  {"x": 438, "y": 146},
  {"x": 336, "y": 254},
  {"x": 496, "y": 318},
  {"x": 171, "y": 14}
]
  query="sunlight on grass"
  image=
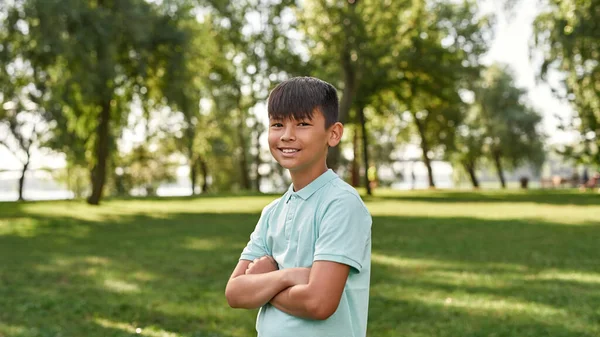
[
  {"x": 96, "y": 260},
  {"x": 464, "y": 275},
  {"x": 413, "y": 203},
  {"x": 14, "y": 330},
  {"x": 209, "y": 244},
  {"x": 422, "y": 264},
  {"x": 552, "y": 275},
  {"x": 563, "y": 214},
  {"x": 120, "y": 286},
  {"x": 143, "y": 276},
  {"x": 478, "y": 303},
  {"x": 147, "y": 331},
  {"x": 111, "y": 210},
  {"x": 21, "y": 226}
]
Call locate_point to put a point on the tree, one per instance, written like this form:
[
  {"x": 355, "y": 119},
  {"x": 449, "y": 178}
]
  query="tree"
[
  {"x": 470, "y": 145},
  {"x": 439, "y": 58},
  {"x": 351, "y": 46},
  {"x": 567, "y": 35},
  {"x": 512, "y": 133},
  {"x": 22, "y": 133},
  {"x": 24, "y": 105},
  {"x": 257, "y": 41},
  {"x": 185, "y": 84},
  {"x": 145, "y": 167},
  {"x": 101, "y": 53}
]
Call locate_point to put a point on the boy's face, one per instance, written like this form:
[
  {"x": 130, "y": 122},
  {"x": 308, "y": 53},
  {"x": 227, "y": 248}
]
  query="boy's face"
[{"x": 300, "y": 145}]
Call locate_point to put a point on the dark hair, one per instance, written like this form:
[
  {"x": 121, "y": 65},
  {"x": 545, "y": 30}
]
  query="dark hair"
[{"x": 298, "y": 98}]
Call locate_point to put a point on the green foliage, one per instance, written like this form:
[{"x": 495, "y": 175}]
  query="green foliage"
[
  {"x": 96, "y": 56},
  {"x": 511, "y": 128},
  {"x": 499, "y": 125},
  {"x": 75, "y": 177},
  {"x": 444, "y": 43},
  {"x": 568, "y": 36},
  {"x": 145, "y": 167}
]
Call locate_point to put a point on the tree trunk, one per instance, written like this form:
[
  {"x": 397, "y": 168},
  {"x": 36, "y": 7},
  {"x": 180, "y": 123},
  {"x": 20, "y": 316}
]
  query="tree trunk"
[
  {"x": 365, "y": 145},
  {"x": 204, "y": 170},
  {"x": 98, "y": 173},
  {"x": 244, "y": 174},
  {"x": 470, "y": 168},
  {"x": 258, "y": 162},
  {"x": 193, "y": 175},
  {"x": 350, "y": 85},
  {"x": 499, "y": 169},
  {"x": 355, "y": 174},
  {"x": 22, "y": 179},
  {"x": 105, "y": 70},
  {"x": 190, "y": 134},
  {"x": 425, "y": 148}
]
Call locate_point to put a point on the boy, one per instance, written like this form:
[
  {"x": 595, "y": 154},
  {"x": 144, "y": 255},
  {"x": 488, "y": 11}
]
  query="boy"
[{"x": 308, "y": 262}]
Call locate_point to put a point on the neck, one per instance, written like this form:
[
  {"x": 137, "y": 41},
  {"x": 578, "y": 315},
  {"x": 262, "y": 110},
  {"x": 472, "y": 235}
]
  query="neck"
[{"x": 304, "y": 177}]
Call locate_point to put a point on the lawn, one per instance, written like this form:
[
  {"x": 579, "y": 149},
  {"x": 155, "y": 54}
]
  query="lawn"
[{"x": 444, "y": 264}]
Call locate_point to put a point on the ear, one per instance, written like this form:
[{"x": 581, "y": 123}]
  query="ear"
[{"x": 335, "y": 134}]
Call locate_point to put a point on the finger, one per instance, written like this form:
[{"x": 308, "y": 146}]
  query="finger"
[
  {"x": 250, "y": 265},
  {"x": 255, "y": 260}
]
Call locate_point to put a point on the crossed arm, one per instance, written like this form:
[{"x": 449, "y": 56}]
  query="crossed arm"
[{"x": 303, "y": 292}]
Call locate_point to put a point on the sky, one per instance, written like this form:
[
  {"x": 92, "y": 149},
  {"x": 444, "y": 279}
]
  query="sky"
[{"x": 510, "y": 46}]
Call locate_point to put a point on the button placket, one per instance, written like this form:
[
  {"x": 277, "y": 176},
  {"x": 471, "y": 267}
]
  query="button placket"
[{"x": 290, "y": 216}]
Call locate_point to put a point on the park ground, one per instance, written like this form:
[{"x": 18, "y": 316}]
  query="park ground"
[{"x": 444, "y": 264}]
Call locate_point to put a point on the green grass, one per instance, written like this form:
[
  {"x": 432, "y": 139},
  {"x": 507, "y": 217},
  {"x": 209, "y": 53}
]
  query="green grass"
[{"x": 444, "y": 264}]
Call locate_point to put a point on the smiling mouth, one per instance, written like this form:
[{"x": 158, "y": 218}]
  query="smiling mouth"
[{"x": 288, "y": 151}]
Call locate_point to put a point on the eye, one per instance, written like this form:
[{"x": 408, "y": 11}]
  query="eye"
[
  {"x": 276, "y": 125},
  {"x": 303, "y": 124}
]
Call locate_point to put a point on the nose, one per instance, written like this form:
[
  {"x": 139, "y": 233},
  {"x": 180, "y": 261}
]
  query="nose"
[{"x": 288, "y": 134}]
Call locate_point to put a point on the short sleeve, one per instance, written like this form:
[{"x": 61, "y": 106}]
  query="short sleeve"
[
  {"x": 344, "y": 232},
  {"x": 257, "y": 246}
]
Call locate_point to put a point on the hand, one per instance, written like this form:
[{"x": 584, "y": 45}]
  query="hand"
[
  {"x": 265, "y": 264},
  {"x": 297, "y": 276}
]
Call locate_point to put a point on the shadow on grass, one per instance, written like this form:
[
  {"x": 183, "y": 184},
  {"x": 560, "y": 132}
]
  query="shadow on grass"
[
  {"x": 232, "y": 195},
  {"x": 81, "y": 278},
  {"x": 167, "y": 275},
  {"x": 551, "y": 197}
]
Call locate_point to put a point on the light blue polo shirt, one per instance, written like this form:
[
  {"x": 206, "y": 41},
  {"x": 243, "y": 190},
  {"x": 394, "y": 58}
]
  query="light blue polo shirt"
[{"x": 326, "y": 220}]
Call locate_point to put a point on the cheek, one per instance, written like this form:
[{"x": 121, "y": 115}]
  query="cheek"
[{"x": 272, "y": 139}]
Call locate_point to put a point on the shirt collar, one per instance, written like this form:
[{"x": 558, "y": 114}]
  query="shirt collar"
[{"x": 313, "y": 186}]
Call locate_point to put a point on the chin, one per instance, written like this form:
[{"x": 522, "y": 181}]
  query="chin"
[{"x": 286, "y": 166}]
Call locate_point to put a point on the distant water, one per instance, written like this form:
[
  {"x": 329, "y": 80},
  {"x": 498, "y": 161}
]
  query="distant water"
[{"x": 45, "y": 188}]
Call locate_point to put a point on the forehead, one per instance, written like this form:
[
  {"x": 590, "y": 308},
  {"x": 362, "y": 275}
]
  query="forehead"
[{"x": 315, "y": 114}]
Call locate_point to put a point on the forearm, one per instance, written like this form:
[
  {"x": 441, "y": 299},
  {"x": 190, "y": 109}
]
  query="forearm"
[
  {"x": 297, "y": 301},
  {"x": 253, "y": 291}
]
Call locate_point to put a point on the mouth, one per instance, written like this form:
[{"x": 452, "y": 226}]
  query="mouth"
[{"x": 288, "y": 152}]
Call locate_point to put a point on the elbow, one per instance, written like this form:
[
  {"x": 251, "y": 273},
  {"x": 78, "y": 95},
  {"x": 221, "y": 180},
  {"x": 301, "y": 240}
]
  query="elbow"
[
  {"x": 231, "y": 300},
  {"x": 237, "y": 301},
  {"x": 320, "y": 311}
]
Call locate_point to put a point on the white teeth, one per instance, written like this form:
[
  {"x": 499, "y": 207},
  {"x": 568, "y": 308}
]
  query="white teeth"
[{"x": 289, "y": 150}]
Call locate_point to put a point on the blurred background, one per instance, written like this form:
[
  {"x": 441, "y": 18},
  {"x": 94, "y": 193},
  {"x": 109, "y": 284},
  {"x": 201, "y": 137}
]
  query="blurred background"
[
  {"x": 112, "y": 98},
  {"x": 472, "y": 132}
]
